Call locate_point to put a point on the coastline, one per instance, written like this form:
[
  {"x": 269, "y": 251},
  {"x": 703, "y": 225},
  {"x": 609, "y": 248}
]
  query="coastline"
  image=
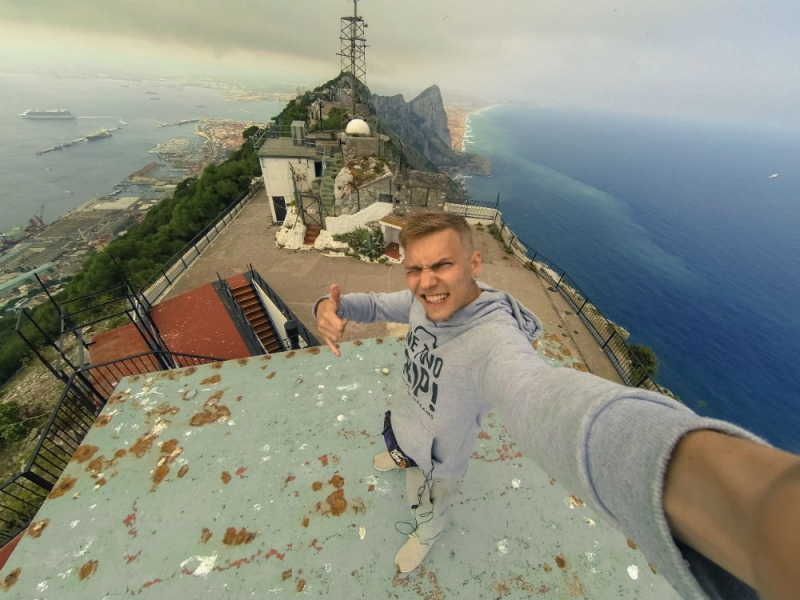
[{"x": 458, "y": 118}]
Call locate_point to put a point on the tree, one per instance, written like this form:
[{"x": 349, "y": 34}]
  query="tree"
[{"x": 645, "y": 357}]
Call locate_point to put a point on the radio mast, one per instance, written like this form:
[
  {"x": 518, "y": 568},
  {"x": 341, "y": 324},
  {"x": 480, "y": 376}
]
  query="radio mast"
[{"x": 352, "y": 87}]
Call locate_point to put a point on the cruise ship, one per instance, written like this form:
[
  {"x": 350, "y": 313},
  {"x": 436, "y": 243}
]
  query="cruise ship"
[{"x": 57, "y": 113}]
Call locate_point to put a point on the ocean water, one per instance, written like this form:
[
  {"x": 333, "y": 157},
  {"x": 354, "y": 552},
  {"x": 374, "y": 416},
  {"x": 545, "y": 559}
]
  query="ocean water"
[
  {"x": 678, "y": 233},
  {"x": 65, "y": 179}
]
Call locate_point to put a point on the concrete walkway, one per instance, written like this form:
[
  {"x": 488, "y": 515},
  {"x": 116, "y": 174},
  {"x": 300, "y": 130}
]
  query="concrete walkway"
[{"x": 301, "y": 276}]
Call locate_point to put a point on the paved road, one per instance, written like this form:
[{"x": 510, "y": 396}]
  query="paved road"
[{"x": 301, "y": 276}]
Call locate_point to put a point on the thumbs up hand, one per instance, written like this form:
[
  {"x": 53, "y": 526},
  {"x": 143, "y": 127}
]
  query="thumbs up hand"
[{"x": 328, "y": 323}]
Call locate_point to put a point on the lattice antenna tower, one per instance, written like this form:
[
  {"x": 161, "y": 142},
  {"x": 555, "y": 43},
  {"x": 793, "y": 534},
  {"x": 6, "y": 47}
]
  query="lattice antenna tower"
[{"x": 352, "y": 87}]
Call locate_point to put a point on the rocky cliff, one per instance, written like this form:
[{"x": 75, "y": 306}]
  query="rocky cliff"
[{"x": 421, "y": 124}]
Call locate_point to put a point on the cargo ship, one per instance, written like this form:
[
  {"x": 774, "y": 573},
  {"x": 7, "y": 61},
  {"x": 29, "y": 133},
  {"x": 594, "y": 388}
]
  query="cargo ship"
[
  {"x": 98, "y": 135},
  {"x": 57, "y": 113}
]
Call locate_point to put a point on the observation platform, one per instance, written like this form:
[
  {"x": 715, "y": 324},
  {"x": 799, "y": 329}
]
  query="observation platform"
[{"x": 254, "y": 478}]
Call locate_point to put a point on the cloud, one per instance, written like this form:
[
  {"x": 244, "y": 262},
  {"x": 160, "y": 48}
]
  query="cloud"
[{"x": 716, "y": 57}]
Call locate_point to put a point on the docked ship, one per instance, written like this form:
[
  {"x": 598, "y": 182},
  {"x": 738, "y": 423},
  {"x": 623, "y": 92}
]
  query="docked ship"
[
  {"x": 98, "y": 135},
  {"x": 57, "y": 113}
]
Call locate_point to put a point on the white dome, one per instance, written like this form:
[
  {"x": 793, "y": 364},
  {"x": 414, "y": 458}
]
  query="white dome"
[{"x": 357, "y": 127}]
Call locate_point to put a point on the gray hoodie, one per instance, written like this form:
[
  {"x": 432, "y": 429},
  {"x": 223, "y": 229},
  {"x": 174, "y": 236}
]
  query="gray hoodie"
[{"x": 602, "y": 441}]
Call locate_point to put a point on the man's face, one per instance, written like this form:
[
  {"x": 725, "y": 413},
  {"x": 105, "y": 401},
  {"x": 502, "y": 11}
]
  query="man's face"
[{"x": 440, "y": 272}]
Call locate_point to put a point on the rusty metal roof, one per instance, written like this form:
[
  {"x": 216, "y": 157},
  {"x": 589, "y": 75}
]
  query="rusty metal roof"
[{"x": 253, "y": 478}]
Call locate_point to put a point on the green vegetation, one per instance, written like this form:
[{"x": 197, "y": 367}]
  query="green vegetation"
[
  {"x": 645, "y": 357},
  {"x": 367, "y": 242}
]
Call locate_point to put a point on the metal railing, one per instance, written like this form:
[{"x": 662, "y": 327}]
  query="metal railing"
[
  {"x": 84, "y": 396},
  {"x": 243, "y": 323},
  {"x": 166, "y": 275},
  {"x": 632, "y": 372},
  {"x": 255, "y": 277}
]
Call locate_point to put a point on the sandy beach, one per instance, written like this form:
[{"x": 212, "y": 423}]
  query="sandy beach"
[{"x": 458, "y": 114}]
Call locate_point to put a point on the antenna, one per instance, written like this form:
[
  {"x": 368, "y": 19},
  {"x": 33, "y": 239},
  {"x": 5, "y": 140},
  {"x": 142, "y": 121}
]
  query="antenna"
[{"x": 353, "y": 86}]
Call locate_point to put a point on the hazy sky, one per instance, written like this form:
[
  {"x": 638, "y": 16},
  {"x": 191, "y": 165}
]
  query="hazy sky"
[{"x": 730, "y": 60}]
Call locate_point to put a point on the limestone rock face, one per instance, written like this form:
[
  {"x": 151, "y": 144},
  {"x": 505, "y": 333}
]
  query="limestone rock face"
[
  {"x": 430, "y": 107},
  {"x": 421, "y": 123}
]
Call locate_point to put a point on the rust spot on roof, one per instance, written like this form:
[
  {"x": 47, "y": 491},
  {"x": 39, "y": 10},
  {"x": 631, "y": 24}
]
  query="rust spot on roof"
[
  {"x": 575, "y": 501},
  {"x": 552, "y": 480},
  {"x": 313, "y": 350},
  {"x": 84, "y": 453},
  {"x": 159, "y": 475},
  {"x": 358, "y": 343},
  {"x": 226, "y": 477},
  {"x": 243, "y": 361},
  {"x": 561, "y": 562},
  {"x": 378, "y": 340},
  {"x": 169, "y": 446},
  {"x": 11, "y": 579},
  {"x": 182, "y": 471},
  {"x": 357, "y": 504},
  {"x": 216, "y": 365},
  {"x": 119, "y": 398},
  {"x": 36, "y": 528},
  {"x": 336, "y": 502},
  {"x": 287, "y": 574},
  {"x": 87, "y": 570},
  {"x": 211, "y": 380},
  {"x": 129, "y": 558},
  {"x": 62, "y": 487},
  {"x": 305, "y": 521},
  {"x": 190, "y": 370},
  {"x": 211, "y": 412},
  {"x": 96, "y": 465},
  {"x": 240, "y": 472},
  {"x": 323, "y": 459},
  {"x": 287, "y": 480},
  {"x": 205, "y": 535},
  {"x": 313, "y": 544},
  {"x": 483, "y": 435},
  {"x": 273, "y": 552},
  {"x": 547, "y": 568},
  {"x": 266, "y": 357},
  {"x": 337, "y": 481},
  {"x": 652, "y": 568},
  {"x": 290, "y": 354},
  {"x": 271, "y": 375},
  {"x": 580, "y": 367},
  {"x": 238, "y": 398},
  {"x": 143, "y": 444},
  {"x": 631, "y": 544},
  {"x": 237, "y": 538},
  {"x": 100, "y": 483},
  {"x": 103, "y": 420},
  {"x": 300, "y": 585},
  {"x": 316, "y": 486}
]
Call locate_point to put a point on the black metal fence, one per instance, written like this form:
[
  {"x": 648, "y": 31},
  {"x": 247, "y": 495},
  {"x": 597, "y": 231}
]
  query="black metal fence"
[
  {"x": 607, "y": 334},
  {"x": 166, "y": 275},
  {"x": 84, "y": 396}
]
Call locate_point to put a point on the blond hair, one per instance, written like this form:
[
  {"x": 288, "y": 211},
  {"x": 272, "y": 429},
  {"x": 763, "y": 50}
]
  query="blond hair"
[{"x": 425, "y": 223}]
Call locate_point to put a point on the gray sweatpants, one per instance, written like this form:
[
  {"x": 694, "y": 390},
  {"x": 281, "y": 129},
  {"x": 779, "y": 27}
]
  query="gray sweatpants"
[{"x": 433, "y": 502}]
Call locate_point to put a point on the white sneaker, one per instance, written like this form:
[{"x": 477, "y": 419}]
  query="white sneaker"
[
  {"x": 411, "y": 554},
  {"x": 384, "y": 462}
]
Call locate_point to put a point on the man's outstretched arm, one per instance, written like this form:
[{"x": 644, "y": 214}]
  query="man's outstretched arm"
[{"x": 738, "y": 503}]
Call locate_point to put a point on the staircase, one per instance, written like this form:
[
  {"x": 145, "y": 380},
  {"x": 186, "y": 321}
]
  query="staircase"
[
  {"x": 246, "y": 297},
  {"x": 332, "y": 168},
  {"x": 312, "y": 233}
]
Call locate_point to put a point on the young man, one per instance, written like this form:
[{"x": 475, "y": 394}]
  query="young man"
[{"x": 649, "y": 464}]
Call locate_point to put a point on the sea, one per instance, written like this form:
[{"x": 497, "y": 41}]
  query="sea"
[
  {"x": 687, "y": 234},
  {"x": 56, "y": 182}
]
